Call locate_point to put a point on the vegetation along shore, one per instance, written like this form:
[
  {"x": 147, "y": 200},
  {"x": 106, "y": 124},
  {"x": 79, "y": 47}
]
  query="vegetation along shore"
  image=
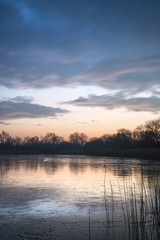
[{"x": 143, "y": 142}]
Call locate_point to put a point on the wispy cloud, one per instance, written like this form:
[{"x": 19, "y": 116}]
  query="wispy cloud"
[
  {"x": 150, "y": 104},
  {"x": 15, "y": 110},
  {"x": 4, "y": 123},
  {"x": 136, "y": 75}
]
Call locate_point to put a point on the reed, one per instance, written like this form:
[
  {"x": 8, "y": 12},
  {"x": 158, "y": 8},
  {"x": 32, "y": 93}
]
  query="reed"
[
  {"x": 89, "y": 226},
  {"x": 140, "y": 207}
]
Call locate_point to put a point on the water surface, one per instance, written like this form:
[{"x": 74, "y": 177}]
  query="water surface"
[{"x": 89, "y": 190}]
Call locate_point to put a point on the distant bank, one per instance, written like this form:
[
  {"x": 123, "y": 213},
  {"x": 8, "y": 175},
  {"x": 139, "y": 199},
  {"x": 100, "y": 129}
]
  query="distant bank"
[{"x": 145, "y": 153}]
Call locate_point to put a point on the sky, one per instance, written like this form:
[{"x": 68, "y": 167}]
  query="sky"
[{"x": 90, "y": 66}]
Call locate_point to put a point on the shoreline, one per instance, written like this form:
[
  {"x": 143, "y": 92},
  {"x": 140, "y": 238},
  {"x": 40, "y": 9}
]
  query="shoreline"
[{"x": 145, "y": 153}]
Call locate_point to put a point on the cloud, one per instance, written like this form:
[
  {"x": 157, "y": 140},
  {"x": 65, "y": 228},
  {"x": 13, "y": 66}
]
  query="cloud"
[
  {"x": 22, "y": 99},
  {"x": 136, "y": 75},
  {"x": 84, "y": 122},
  {"x": 4, "y": 123},
  {"x": 112, "y": 44},
  {"x": 15, "y": 110},
  {"x": 150, "y": 104}
]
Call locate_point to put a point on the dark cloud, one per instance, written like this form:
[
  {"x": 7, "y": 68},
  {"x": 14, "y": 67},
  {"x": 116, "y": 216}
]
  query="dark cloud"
[
  {"x": 59, "y": 43},
  {"x": 151, "y": 104},
  {"x": 22, "y": 99},
  {"x": 15, "y": 110}
]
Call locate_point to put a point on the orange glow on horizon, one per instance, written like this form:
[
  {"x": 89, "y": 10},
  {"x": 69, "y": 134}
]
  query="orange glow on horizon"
[{"x": 92, "y": 122}]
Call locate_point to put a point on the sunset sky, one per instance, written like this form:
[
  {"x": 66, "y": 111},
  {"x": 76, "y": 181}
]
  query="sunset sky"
[{"x": 90, "y": 66}]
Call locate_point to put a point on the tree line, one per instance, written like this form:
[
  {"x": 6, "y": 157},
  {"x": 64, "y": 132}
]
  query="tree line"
[{"x": 144, "y": 136}]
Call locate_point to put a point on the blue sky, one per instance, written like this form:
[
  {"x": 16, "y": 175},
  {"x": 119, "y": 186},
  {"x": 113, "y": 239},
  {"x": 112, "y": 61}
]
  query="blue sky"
[{"x": 94, "y": 63}]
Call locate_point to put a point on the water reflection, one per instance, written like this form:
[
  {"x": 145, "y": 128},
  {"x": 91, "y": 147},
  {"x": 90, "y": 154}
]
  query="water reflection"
[{"x": 73, "y": 185}]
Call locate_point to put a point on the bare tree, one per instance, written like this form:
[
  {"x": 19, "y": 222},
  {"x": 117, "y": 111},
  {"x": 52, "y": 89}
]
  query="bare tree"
[
  {"x": 150, "y": 131},
  {"x": 124, "y": 134},
  {"x": 52, "y": 138},
  {"x": 153, "y": 127},
  {"x": 78, "y": 138},
  {"x": 5, "y": 137}
]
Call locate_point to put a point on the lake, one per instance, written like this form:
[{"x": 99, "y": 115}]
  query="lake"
[{"x": 78, "y": 197}]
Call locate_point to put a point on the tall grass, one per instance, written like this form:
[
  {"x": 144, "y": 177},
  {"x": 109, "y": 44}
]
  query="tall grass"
[{"x": 140, "y": 207}]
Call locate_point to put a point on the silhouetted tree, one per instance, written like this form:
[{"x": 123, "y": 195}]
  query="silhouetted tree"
[
  {"x": 52, "y": 138},
  {"x": 17, "y": 142},
  {"x": 153, "y": 127},
  {"x": 124, "y": 134},
  {"x": 148, "y": 134},
  {"x": 5, "y": 137},
  {"x": 5, "y": 140},
  {"x": 145, "y": 135},
  {"x": 105, "y": 137},
  {"x": 94, "y": 144},
  {"x": 122, "y": 139},
  {"x": 78, "y": 138}
]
